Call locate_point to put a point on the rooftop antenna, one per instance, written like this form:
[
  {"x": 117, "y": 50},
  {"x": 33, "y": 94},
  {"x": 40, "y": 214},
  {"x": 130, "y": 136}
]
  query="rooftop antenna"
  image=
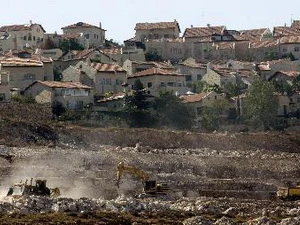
[{"x": 291, "y": 19}]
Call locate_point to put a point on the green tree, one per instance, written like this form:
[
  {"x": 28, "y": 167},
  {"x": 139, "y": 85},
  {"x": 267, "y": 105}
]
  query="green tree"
[
  {"x": 136, "y": 107},
  {"x": 153, "y": 56},
  {"x": 199, "y": 86},
  {"x": 71, "y": 44},
  {"x": 210, "y": 115},
  {"x": 261, "y": 104},
  {"x": 172, "y": 112}
]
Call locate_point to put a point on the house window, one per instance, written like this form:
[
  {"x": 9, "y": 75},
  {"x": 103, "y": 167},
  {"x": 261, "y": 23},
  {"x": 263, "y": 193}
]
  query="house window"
[
  {"x": 2, "y": 97},
  {"x": 284, "y": 49},
  {"x": 298, "y": 100},
  {"x": 188, "y": 77},
  {"x": 95, "y": 36},
  {"x": 24, "y": 38},
  {"x": 29, "y": 76},
  {"x": 33, "y": 38},
  {"x": 87, "y": 36},
  {"x": 296, "y": 49},
  {"x": 162, "y": 84},
  {"x": 171, "y": 84},
  {"x": 199, "y": 77},
  {"x": 29, "y": 37},
  {"x": 149, "y": 85}
]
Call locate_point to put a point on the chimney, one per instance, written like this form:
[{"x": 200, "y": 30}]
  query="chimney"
[
  {"x": 100, "y": 25},
  {"x": 192, "y": 26},
  {"x": 208, "y": 25},
  {"x": 30, "y": 22}
]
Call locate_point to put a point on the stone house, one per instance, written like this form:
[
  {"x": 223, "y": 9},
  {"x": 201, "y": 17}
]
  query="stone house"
[
  {"x": 159, "y": 30},
  {"x": 112, "y": 103},
  {"x": 54, "y": 40},
  {"x": 288, "y": 104},
  {"x": 4, "y": 86},
  {"x": 71, "y": 95},
  {"x": 133, "y": 67},
  {"x": 157, "y": 80},
  {"x": 94, "y": 35},
  {"x": 192, "y": 70},
  {"x": 220, "y": 76},
  {"x": 281, "y": 31},
  {"x": 290, "y": 45},
  {"x": 72, "y": 57},
  {"x": 256, "y": 34},
  {"x": 263, "y": 50},
  {"x": 284, "y": 76},
  {"x": 120, "y": 55},
  {"x": 103, "y": 77},
  {"x": 197, "y": 102},
  {"x": 21, "y": 37},
  {"x": 169, "y": 49},
  {"x": 22, "y": 72},
  {"x": 203, "y": 34}
]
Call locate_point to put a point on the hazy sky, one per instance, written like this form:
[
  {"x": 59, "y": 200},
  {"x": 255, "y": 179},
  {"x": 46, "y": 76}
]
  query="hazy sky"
[{"x": 119, "y": 17}]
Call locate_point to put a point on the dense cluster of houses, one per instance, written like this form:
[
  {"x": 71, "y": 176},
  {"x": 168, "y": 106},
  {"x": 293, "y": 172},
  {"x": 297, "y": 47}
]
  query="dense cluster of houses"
[{"x": 33, "y": 64}]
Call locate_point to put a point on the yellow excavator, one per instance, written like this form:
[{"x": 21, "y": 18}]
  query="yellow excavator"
[
  {"x": 39, "y": 189},
  {"x": 289, "y": 193},
  {"x": 150, "y": 187}
]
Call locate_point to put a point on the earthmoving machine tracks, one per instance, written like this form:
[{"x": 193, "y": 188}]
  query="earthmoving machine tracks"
[
  {"x": 39, "y": 189},
  {"x": 150, "y": 187}
]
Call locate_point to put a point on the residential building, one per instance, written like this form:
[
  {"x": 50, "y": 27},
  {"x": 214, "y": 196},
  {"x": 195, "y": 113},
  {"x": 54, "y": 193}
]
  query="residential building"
[
  {"x": 290, "y": 46},
  {"x": 103, "y": 77},
  {"x": 120, "y": 55},
  {"x": 4, "y": 86},
  {"x": 133, "y": 67},
  {"x": 159, "y": 30},
  {"x": 284, "y": 76},
  {"x": 21, "y": 37},
  {"x": 71, "y": 95},
  {"x": 192, "y": 70},
  {"x": 156, "y": 80},
  {"x": 282, "y": 31},
  {"x": 95, "y": 35},
  {"x": 72, "y": 57},
  {"x": 197, "y": 102},
  {"x": 204, "y": 34},
  {"x": 22, "y": 72},
  {"x": 256, "y": 34},
  {"x": 220, "y": 76}
]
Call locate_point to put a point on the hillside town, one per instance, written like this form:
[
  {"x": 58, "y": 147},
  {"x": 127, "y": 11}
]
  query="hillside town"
[{"x": 201, "y": 66}]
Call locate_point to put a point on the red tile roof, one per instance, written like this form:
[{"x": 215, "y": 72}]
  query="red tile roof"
[
  {"x": 19, "y": 62},
  {"x": 197, "y": 32},
  {"x": 112, "y": 51},
  {"x": 18, "y": 27},
  {"x": 66, "y": 84},
  {"x": 155, "y": 71},
  {"x": 290, "y": 39},
  {"x": 263, "y": 44},
  {"x": 106, "y": 67},
  {"x": 158, "y": 25},
  {"x": 194, "y": 98},
  {"x": 83, "y": 53},
  {"x": 288, "y": 73},
  {"x": 79, "y": 25},
  {"x": 253, "y": 34},
  {"x": 285, "y": 31}
]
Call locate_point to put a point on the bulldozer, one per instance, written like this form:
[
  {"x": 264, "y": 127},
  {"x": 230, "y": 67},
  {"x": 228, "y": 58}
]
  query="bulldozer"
[
  {"x": 39, "y": 189},
  {"x": 150, "y": 187},
  {"x": 289, "y": 193}
]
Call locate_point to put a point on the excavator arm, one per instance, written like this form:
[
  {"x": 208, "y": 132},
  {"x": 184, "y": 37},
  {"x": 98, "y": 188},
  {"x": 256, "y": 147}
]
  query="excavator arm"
[{"x": 138, "y": 173}]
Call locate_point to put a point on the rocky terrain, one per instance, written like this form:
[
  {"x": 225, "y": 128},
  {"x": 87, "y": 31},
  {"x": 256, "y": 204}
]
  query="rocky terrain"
[{"x": 217, "y": 178}]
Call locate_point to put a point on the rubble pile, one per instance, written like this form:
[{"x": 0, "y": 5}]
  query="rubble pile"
[{"x": 225, "y": 211}]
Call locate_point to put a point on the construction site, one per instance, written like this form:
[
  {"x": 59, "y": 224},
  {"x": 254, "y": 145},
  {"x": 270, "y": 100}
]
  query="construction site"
[
  {"x": 69, "y": 174},
  {"x": 219, "y": 178}
]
